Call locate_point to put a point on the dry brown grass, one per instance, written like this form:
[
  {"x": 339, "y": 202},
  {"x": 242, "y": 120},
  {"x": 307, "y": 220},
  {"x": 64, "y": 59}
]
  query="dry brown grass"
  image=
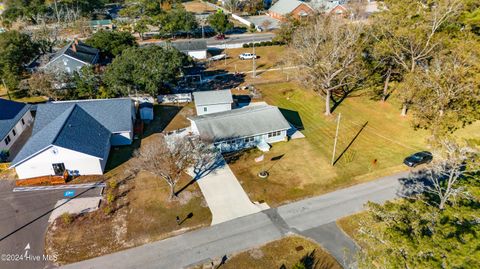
[
  {"x": 284, "y": 252},
  {"x": 197, "y": 7},
  {"x": 140, "y": 212}
]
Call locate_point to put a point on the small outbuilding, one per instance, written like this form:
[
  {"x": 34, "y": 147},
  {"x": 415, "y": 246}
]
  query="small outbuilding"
[
  {"x": 207, "y": 102},
  {"x": 197, "y": 49}
]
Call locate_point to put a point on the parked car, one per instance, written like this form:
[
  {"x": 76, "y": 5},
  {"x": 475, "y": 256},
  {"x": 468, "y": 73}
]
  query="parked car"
[
  {"x": 220, "y": 37},
  {"x": 418, "y": 158},
  {"x": 247, "y": 56}
]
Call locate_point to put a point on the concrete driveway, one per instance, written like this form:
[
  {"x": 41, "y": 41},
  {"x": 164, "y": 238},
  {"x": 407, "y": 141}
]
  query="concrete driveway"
[
  {"x": 24, "y": 220},
  {"x": 224, "y": 195}
]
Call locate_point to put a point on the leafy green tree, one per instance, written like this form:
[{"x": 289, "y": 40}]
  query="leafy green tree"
[
  {"x": 145, "y": 69},
  {"x": 141, "y": 26},
  {"x": 16, "y": 50},
  {"x": 220, "y": 22},
  {"x": 111, "y": 43},
  {"x": 29, "y": 9},
  {"x": 287, "y": 28},
  {"x": 87, "y": 83},
  {"x": 177, "y": 19}
]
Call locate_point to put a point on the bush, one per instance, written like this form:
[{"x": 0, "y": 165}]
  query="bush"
[
  {"x": 110, "y": 197},
  {"x": 112, "y": 184},
  {"x": 245, "y": 46},
  {"x": 67, "y": 218},
  {"x": 107, "y": 210},
  {"x": 4, "y": 154}
]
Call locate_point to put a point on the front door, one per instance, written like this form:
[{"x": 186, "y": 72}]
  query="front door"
[{"x": 58, "y": 169}]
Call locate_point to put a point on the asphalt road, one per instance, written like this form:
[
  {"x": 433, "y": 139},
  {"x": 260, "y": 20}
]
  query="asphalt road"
[
  {"x": 231, "y": 39},
  {"x": 312, "y": 217},
  {"x": 24, "y": 220}
]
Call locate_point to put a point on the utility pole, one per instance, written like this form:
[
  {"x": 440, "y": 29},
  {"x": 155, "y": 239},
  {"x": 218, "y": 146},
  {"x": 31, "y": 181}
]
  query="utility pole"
[
  {"x": 254, "y": 73},
  {"x": 336, "y": 138}
]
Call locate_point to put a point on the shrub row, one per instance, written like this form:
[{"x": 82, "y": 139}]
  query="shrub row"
[{"x": 264, "y": 44}]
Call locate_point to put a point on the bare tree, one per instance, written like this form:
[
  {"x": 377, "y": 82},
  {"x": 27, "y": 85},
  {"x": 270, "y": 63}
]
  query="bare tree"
[
  {"x": 232, "y": 5},
  {"x": 407, "y": 34},
  {"x": 449, "y": 166},
  {"x": 329, "y": 51},
  {"x": 170, "y": 157}
]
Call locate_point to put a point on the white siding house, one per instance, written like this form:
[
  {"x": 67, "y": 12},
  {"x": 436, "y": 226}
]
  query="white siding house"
[
  {"x": 44, "y": 162},
  {"x": 15, "y": 117},
  {"x": 208, "y": 102},
  {"x": 242, "y": 128},
  {"x": 75, "y": 136}
]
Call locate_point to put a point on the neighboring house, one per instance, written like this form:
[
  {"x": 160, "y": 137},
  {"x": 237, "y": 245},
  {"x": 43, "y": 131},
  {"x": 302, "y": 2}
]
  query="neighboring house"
[
  {"x": 14, "y": 119},
  {"x": 298, "y": 9},
  {"x": 251, "y": 126},
  {"x": 197, "y": 49},
  {"x": 282, "y": 8},
  {"x": 73, "y": 57},
  {"x": 329, "y": 7},
  {"x": 101, "y": 25},
  {"x": 207, "y": 102},
  {"x": 75, "y": 136}
]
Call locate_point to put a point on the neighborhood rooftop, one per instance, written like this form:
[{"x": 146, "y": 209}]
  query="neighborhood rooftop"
[
  {"x": 213, "y": 97},
  {"x": 114, "y": 114},
  {"x": 79, "y": 51},
  {"x": 73, "y": 129},
  {"x": 189, "y": 45},
  {"x": 284, "y": 7},
  {"x": 10, "y": 113},
  {"x": 242, "y": 122}
]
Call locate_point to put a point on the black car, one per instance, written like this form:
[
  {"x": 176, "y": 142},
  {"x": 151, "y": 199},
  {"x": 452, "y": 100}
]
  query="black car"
[{"x": 418, "y": 158}]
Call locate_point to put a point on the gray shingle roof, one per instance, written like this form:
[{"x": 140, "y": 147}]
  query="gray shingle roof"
[
  {"x": 323, "y": 5},
  {"x": 189, "y": 45},
  {"x": 212, "y": 97},
  {"x": 113, "y": 114},
  {"x": 83, "y": 52},
  {"x": 73, "y": 129},
  {"x": 284, "y": 7},
  {"x": 242, "y": 122},
  {"x": 10, "y": 113}
]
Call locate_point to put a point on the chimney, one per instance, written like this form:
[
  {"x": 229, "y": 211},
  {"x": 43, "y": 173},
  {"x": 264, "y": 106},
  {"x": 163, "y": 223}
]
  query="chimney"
[
  {"x": 76, "y": 41},
  {"x": 74, "y": 48}
]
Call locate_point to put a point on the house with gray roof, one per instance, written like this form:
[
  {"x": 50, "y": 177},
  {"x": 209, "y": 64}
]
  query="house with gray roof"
[
  {"x": 283, "y": 8},
  {"x": 73, "y": 57},
  {"x": 207, "y": 102},
  {"x": 197, "y": 49},
  {"x": 250, "y": 126},
  {"x": 15, "y": 117},
  {"x": 75, "y": 136}
]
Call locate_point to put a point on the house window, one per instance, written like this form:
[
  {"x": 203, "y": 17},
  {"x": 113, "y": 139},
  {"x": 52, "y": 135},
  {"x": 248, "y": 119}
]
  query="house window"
[
  {"x": 249, "y": 139},
  {"x": 23, "y": 122},
  {"x": 273, "y": 134},
  {"x": 7, "y": 140},
  {"x": 204, "y": 109},
  {"x": 14, "y": 132},
  {"x": 58, "y": 168}
]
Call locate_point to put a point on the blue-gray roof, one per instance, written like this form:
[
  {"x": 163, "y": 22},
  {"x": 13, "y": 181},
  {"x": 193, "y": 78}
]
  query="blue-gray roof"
[
  {"x": 73, "y": 129},
  {"x": 10, "y": 113},
  {"x": 114, "y": 114},
  {"x": 79, "y": 51}
]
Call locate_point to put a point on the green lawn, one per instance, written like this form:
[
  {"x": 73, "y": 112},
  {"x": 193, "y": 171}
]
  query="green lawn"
[{"x": 305, "y": 169}]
